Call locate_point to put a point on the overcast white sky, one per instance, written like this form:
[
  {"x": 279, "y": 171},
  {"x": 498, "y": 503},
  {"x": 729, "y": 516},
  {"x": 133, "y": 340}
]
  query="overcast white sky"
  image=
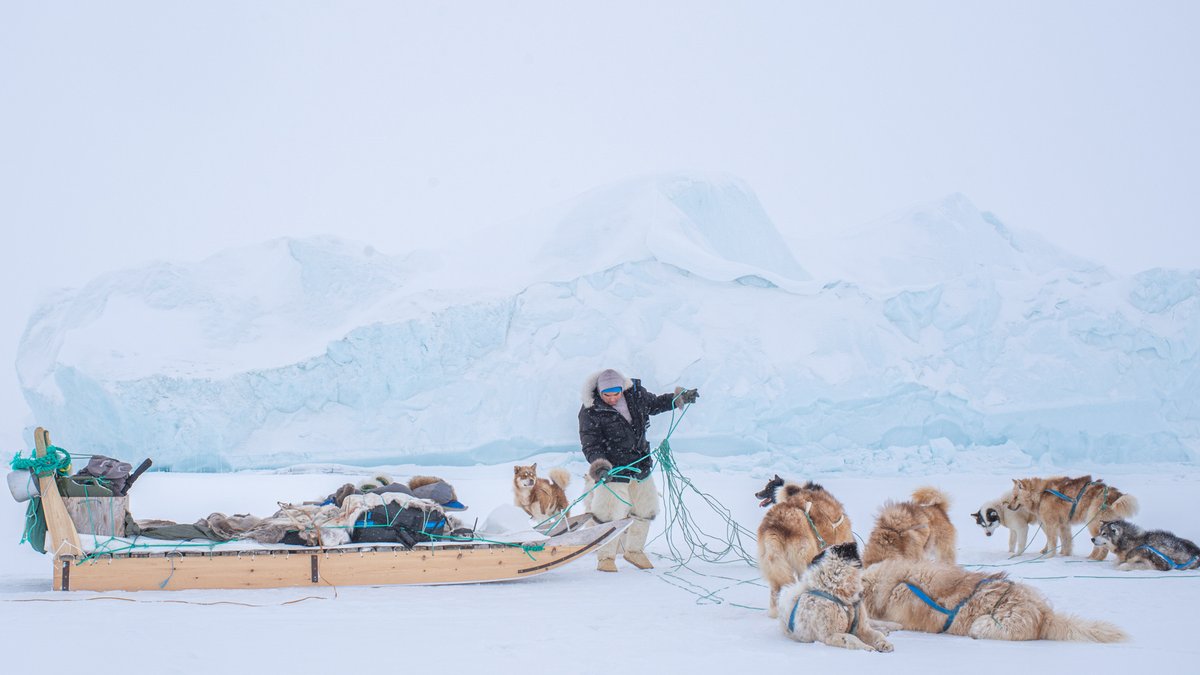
[{"x": 132, "y": 131}]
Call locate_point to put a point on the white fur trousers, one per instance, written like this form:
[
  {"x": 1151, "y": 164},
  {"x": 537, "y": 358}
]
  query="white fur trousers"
[{"x": 614, "y": 501}]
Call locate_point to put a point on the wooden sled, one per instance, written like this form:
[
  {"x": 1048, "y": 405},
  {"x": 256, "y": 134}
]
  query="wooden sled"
[{"x": 298, "y": 566}]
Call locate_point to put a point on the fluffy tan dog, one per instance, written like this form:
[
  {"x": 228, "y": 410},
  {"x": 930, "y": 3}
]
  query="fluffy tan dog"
[
  {"x": 978, "y": 605},
  {"x": 803, "y": 520},
  {"x": 1059, "y": 502},
  {"x": 913, "y": 530},
  {"x": 826, "y": 604},
  {"x": 539, "y": 497}
]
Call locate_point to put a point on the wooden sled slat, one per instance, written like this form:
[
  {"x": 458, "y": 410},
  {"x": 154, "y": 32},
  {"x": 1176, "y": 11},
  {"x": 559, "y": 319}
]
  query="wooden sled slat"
[{"x": 336, "y": 567}]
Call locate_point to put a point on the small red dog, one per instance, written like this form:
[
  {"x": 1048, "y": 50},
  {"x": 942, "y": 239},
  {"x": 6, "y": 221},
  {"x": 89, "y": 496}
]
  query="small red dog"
[{"x": 539, "y": 497}]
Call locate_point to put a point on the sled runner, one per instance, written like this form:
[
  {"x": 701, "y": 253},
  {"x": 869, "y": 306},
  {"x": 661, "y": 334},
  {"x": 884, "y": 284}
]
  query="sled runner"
[{"x": 263, "y": 566}]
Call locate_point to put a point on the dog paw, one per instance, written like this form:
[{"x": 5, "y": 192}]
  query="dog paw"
[{"x": 883, "y": 646}]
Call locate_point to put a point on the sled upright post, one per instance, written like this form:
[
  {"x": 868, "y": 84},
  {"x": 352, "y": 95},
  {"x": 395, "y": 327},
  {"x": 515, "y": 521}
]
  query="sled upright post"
[{"x": 63, "y": 538}]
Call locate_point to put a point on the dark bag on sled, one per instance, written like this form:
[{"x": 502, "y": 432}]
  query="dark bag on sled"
[{"x": 391, "y": 523}]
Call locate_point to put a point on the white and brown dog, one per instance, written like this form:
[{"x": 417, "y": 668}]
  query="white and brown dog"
[
  {"x": 997, "y": 512},
  {"x": 802, "y": 520},
  {"x": 826, "y": 604},
  {"x": 540, "y": 498},
  {"x": 1059, "y": 502},
  {"x": 935, "y": 597}
]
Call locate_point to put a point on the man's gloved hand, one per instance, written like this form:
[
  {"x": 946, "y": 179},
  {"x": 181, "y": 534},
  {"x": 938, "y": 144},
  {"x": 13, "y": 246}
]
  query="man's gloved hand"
[
  {"x": 598, "y": 470},
  {"x": 685, "y": 396}
]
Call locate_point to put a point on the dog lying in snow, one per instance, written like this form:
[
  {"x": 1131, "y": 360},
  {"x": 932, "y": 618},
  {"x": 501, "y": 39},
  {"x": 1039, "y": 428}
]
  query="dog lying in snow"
[
  {"x": 826, "y": 604},
  {"x": 1138, "y": 549},
  {"x": 939, "y": 598}
]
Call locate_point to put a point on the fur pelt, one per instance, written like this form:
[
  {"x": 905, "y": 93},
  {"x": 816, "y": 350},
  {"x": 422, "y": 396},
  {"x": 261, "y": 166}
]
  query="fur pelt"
[
  {"x": 913, "y": 529},
  {"x": 999, "y": 609}
]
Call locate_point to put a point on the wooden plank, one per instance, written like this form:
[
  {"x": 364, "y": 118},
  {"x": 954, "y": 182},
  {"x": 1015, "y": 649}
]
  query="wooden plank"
[
  {"x": 336, "y": 567},
  {"x": 179, "y": 572},
  {"x": 62, "y": 540}
]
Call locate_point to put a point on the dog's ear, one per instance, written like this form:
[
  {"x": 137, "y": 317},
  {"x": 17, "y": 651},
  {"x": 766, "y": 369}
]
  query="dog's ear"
[
  {"x": 516, "y": 469},
  {"x": 534, "y": 467},
  {"x": 978, "y": 516}
]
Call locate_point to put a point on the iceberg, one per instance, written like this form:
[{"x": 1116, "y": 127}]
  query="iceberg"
[{"x": 938, "y": 332}]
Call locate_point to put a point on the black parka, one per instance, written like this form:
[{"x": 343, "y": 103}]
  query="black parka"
[{"x": 605, "y": 434}]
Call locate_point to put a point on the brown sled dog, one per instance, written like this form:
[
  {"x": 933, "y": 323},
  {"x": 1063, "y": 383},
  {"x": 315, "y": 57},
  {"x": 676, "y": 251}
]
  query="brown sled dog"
[
  {"x": 912, "y": 530},
  {"x": 539, "y": 497},
  {"x": 803, "y": 520},
  {"x": 939, "y": 598},
  {"x": 1060, "y": 501}
]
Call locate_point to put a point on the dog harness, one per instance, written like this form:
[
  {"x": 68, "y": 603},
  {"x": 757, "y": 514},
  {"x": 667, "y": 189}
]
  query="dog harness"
[
  {"x": 1167, "y": 559},
  {"x": 1075, "y": 502},
  {"x": 951, "y": 614},
  {"x": 851, "y": 610}
]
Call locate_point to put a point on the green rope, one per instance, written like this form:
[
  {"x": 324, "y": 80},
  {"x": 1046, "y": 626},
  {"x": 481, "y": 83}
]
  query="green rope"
[
  {"x": 688, "y": 541},
  {"x": 55, "y": 459}
]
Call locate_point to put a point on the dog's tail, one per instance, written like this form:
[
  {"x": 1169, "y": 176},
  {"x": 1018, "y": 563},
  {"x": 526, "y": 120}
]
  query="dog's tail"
[
  {"x": 560, "y": 477},
  {"x": 1124, "y": 507},
  {"x": 931, "y": 496},
  {"x": 1070, "y": 627}
]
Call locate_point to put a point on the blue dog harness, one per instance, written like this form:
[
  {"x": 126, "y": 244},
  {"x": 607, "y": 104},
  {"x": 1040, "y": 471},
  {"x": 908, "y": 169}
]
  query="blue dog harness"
[
  {"x": 951, "y": 614},
  {"x": 851, "y": 610},
  {"x": 1167, "y": 559},
  {"x": 1075, "y": 502}
]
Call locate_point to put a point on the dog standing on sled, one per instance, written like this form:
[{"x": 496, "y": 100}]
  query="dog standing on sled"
[
  {"x": 1060, "y": 502},
  {"x": 612, "y": 430},
  {"x": 541, "y": 498}
]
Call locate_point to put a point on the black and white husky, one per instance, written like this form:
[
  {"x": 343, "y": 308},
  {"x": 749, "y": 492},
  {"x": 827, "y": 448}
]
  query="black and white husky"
[
  {"x": 1139, "y": 549},
  {"x": 999, "y": 512}
]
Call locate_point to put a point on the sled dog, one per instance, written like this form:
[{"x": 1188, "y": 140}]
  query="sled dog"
[
  {"x": 826, "y": 604},
  {"x": 1059, "y": 502},
  {"x": 938, "y": 598},
  {"x": 913, "y": 529},
  {"x": 539, "y": 497},
  {"x": 1138, "y": 549},
  {"x": 995, "y": 513},
  {"x": 802, "y": 520}
]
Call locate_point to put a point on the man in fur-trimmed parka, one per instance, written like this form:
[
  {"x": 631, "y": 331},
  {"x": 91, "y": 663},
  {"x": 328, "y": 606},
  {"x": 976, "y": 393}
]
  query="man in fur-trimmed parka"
[{"x": 612, "y": 429}]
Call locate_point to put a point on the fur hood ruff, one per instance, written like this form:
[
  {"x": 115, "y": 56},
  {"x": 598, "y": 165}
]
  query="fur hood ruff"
[{"x": 588, "y": 393}]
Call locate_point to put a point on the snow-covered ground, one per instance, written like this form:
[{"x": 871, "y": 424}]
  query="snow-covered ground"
[{"x": 576, "y": 619}]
